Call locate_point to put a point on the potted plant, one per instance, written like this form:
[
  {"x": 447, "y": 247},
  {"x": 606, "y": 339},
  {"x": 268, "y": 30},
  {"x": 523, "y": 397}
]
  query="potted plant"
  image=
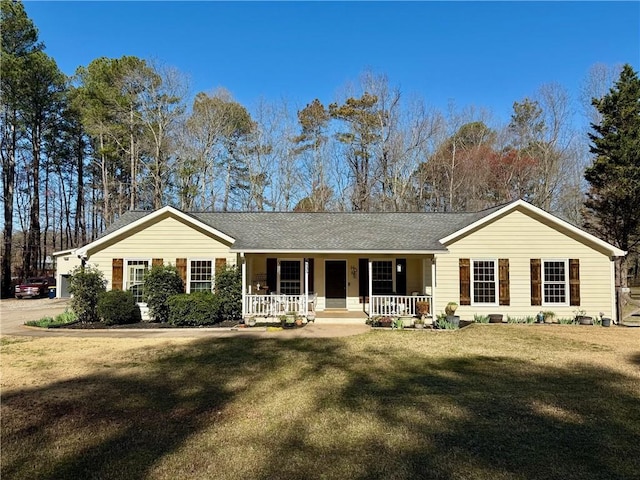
[
  {"x": 419, "y": 322},
  {"x": 450, "y": 310},
  {"x": 548, "y": 317},
  {"x": 582, "y": 319},
  {"x": 250, "y": 321}
]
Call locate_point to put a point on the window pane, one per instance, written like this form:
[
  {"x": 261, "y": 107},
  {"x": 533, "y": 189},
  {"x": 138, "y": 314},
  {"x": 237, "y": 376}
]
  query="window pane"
[
  {"x": 135, "y": 277},
  {"x": 201, "y": 276},
  {"x": 290, "y": 277},
  {"x": 484, "y": 281},
  {"x": 382, "y": 277},
  {"x": 554, "y": 282}
]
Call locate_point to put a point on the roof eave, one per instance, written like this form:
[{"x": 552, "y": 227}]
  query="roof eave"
[{"x": 336, "y": 251}]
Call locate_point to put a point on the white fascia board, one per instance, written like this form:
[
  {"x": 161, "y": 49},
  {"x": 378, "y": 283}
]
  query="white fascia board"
[
  {"x": 615, "y": 251},
  {"x": 82, "y": 252},
  {"x": 68, "y": 251}
]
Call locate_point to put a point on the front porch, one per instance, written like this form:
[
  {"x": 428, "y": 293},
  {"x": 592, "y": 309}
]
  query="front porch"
[{"x": 341, "y": 286}]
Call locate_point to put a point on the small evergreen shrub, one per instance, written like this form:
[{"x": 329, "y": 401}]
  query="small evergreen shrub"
[
  {"x": 117, "y": 307},
  {"x": 228, "y": 289},
  {"x": 160, "y": 283},
  {"x": 193, "y": 309},
  {"x": 85, "y": 286}
]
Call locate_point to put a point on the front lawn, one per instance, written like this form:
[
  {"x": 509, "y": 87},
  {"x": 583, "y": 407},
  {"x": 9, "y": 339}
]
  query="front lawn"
[{"x": 485, "y": 402}]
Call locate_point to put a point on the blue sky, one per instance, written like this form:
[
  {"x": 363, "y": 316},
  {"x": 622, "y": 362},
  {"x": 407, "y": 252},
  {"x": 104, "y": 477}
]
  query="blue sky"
[{"x": 487, "y": 54}]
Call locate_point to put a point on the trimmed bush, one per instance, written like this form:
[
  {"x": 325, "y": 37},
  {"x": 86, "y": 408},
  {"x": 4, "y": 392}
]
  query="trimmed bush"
[
  {"x": 160, "y": 283},
  {"x": 228, "y": 289},
  {"x": 117, "y": 307},
  {"x": 85, "y": 286},
  {"x": 193, "y": 309}
]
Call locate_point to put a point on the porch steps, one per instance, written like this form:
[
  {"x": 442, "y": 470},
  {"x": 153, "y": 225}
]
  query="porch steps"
[{"x": 340, "y": 317}]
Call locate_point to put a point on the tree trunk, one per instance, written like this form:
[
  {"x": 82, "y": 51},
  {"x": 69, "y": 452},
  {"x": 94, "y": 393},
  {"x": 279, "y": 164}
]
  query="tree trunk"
[{"x": 8, "y": 184}]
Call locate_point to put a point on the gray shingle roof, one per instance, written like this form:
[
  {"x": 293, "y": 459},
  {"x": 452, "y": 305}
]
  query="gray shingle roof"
[{"x": 307, "y": 232}]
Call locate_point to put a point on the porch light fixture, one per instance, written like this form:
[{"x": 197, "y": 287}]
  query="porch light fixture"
[
  {"x": 399, "y": 267},
  {"x": 354, "y": 271}
]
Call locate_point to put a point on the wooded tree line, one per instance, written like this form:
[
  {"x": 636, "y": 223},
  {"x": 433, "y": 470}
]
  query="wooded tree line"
[{"x": 123, "y": 134}]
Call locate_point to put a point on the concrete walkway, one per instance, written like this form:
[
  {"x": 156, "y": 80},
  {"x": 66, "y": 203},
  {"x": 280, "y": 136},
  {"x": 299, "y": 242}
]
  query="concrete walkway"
[{"x": 13, "y": 314}]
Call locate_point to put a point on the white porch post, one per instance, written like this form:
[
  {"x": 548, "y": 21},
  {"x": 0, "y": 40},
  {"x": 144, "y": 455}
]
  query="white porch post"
[
  {"x": 243, "y": 266},
  {"x": 306, "y": 287},
  {"x": 370, "y": 266},
  {"x": 433, "y": 287}
]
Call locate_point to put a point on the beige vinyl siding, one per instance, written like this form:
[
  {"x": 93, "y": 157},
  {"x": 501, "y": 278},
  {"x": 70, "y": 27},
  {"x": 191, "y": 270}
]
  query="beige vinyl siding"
[
  {"x": 66, "y": 263},
  {"x": 519, "y": 238},
  {"x": 168, "y": 239}
]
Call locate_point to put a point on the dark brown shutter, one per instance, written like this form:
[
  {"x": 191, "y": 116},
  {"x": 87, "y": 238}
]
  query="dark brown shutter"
[
  {"x": 220, "y": 264},
  {"x": 310, "y": 262},
  {"x": 116, "y": 273},
  {"x": 181, "y": 265},
  {"x": 157, "y": 262},
  {"x": 503, "y": 280},
  {"x": 465, "y": 281},
  {"x": 536, "y": 282},
  {"x": 272, "y": 274},
  {"x": 574, "y": 282}
]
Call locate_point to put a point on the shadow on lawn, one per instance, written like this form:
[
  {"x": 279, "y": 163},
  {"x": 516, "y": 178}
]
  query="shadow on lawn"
[{"x": 462, "y": 417}]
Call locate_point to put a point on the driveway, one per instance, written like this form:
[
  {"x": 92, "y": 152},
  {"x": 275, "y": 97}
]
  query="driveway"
[{"x": 13, "y": 314}]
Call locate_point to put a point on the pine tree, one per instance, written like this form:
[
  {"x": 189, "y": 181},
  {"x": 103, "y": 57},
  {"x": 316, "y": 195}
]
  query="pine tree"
[{"x": 613, "y": 200}]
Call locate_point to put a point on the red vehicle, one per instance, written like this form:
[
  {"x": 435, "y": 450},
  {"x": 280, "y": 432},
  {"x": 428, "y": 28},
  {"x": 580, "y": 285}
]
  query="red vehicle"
[{"x": 35, "y": 287}]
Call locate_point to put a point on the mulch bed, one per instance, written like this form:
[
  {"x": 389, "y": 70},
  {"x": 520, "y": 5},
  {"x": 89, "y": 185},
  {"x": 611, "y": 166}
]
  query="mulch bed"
[{"x": 145, "y": 325}]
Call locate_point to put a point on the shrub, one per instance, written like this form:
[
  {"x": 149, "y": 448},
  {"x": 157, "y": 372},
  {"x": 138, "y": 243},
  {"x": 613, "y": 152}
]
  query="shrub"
[
  {"x": 193, "y": 309},
  {"x": 228, "y": 289},
  {"x": 117, "y": 307},
  {"x": 160, "y": 283},
  {"x": 85, "y": 286}
]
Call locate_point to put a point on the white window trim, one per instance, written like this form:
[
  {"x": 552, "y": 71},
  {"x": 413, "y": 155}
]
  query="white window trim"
[
  {"x": 567, "y": 293},
  {"x": 299, "y": 260},
  {"x": 125, "y": 273},
  {"x": 213, "y": 272},
  {"x": 496, "y": 282}
]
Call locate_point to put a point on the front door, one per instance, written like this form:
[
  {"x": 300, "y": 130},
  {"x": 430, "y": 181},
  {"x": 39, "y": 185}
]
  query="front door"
[{"x": 335, "y": 283}]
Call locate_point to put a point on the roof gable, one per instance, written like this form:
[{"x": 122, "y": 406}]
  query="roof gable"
[
  {"x": 532, "y": 211},
  {"x": 138, "y": 219}
]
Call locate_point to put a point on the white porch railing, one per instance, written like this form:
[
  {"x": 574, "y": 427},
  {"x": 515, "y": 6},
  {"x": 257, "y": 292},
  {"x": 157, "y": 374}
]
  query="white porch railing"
[
  {"x": 398, "y": 305},
  {"x": 275, "y": 305}
]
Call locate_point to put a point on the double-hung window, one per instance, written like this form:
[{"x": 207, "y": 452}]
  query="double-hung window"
[
  {"x": 554, "y": 282},
  {"x": 290, "y": 277},
  {"x": 135, "y": 277},
  {"x": 201, "y": 276},
  {"x": 485, "y": 282},
  {"x": 382, "y": 277}
]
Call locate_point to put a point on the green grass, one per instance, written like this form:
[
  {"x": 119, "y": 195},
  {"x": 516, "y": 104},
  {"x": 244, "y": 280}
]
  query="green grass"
[{"x": 514, "y": 402}]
